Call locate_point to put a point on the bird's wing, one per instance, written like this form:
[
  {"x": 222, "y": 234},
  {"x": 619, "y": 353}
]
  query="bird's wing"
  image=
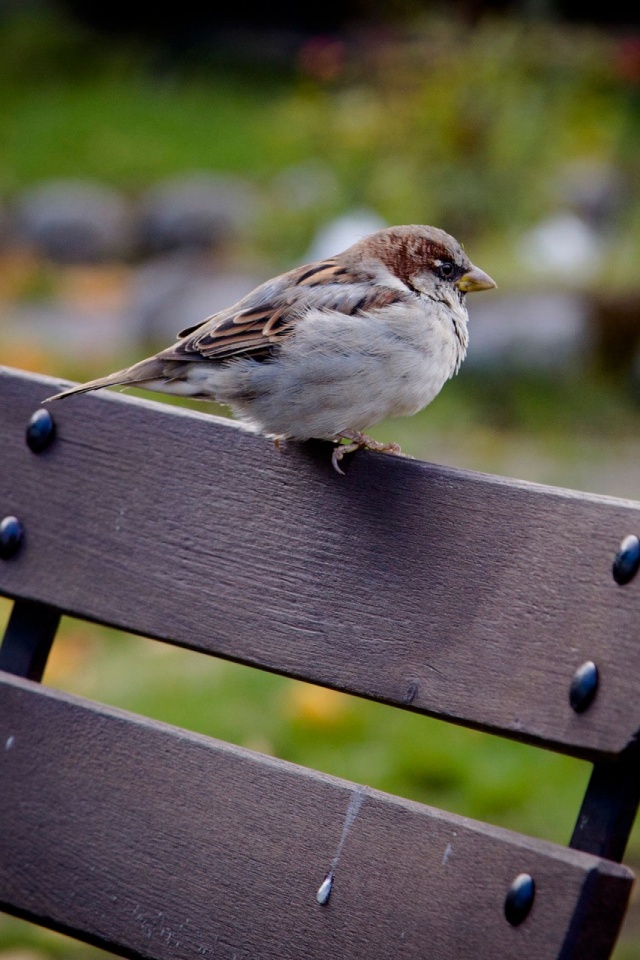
[{"x": 255, "y": 325}]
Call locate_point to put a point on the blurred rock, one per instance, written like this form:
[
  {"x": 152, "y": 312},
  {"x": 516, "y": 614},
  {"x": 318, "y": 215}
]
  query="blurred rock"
[
  {"x": 338, "y": 234},
  {"x": 562, "y": 243},
  {"x": 529, "y": 331},
  {"x": 197, "y": 211},
  {"x": 74, "y": 221},
  {"x": 180, "y": 289},
  {"x": 95, "y": 335}
]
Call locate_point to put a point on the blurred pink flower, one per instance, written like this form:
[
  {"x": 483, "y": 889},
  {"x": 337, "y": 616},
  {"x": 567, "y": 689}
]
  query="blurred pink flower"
[{"x": 628, "y": 59}]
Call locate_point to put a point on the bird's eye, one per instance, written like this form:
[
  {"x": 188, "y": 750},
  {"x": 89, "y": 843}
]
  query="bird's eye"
[{"x": 446, "y": 269}]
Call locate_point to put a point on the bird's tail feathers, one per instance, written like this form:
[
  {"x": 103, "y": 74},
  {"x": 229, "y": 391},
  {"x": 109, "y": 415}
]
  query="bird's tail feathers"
[{"x": 139, "y": 374}]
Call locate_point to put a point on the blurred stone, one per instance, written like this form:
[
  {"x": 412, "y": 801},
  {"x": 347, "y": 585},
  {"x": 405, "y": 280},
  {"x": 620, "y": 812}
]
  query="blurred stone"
[
  {"x": 562, "y": 243},
  {"x": 197, "y": 211},
  {"x": 74, "y": 221},
  {"x": 177, "y": 290},
  {"x": 529, "y": 331},
  {"x": 340, "y": 233},
  {"x": 92, "y": 334}
]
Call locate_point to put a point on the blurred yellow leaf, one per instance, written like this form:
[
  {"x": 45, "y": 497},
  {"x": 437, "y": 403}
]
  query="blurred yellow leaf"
[{"x": 317, "y": 705}]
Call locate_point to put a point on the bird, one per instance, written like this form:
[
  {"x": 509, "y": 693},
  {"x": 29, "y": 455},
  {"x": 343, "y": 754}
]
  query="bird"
[{"x": 330, "y": 348}]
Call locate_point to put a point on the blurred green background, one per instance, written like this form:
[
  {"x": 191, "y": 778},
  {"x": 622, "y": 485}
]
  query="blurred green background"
[{"x": 150, "y": 173}]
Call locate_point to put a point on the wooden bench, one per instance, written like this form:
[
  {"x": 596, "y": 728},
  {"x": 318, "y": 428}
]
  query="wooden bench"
[{"x": 484, "y": 601}]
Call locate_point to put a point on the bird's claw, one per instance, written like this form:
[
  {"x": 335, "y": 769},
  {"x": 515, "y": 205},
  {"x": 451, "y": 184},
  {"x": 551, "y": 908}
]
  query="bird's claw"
[
  {"x": 339, "y": 451},
  {"x": 358, "y": 441}
]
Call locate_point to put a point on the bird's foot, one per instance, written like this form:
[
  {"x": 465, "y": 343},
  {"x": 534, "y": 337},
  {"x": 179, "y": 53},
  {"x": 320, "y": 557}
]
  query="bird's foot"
[{"x": 358, "y": 441}]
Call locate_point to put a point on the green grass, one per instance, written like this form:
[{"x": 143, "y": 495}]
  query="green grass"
[
  {"x": 472, "y": 129},
  {"x": 134, "y": 131}
]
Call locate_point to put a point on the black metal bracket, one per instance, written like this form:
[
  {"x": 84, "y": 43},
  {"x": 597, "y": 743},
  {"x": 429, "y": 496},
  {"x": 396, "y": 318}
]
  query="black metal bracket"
[
  {"x": 27, "y": 640},
  {"x": 610, "y": 806}
]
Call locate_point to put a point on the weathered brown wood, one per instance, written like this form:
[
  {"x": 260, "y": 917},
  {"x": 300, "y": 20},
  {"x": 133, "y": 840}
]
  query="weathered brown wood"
[
  {"x": 155, "y": 842},
  {"x": 451, "y": 593},
  {"x": 27, "y": 640},
  {"x": 456, "y": 594}
]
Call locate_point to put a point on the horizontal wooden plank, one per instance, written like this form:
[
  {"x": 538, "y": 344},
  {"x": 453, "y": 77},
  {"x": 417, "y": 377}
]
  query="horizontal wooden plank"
[
  {"x": 155, "y": 842},
  {"x": 455, "y": 594}
]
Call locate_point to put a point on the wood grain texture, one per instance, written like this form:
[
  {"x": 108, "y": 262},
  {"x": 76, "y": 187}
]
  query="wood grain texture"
[
  {"x": 456, "y": 594},
  {"x": 155, "y": 842}
]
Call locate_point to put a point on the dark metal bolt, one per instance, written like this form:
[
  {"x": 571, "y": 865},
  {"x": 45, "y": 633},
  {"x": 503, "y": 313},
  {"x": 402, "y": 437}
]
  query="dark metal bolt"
[
  {"x": 41, "y": 430},
  {"x": 519, "y": 899},
  {"x": 584, "y": 686},
  {"x": 11, "y": 536},
  {"x": 627, "y": 560}
]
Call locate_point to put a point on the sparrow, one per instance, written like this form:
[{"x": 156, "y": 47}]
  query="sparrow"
[{"x": 329, "y": 348}]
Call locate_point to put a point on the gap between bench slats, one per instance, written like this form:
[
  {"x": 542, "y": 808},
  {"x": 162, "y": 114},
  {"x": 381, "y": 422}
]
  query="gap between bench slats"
[
  {"x": 455, "y": 594},
  {"x": 155, "y": 842}
]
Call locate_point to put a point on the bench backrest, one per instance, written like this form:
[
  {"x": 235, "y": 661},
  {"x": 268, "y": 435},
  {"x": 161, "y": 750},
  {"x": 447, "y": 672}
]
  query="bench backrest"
[{"x": 480, "y": 600}]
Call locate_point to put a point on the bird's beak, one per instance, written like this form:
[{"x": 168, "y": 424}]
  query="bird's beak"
[{"x": 475, "y": 279}]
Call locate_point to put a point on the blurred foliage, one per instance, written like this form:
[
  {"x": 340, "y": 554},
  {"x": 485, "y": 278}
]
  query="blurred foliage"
[{"x": 474, "y": 127}]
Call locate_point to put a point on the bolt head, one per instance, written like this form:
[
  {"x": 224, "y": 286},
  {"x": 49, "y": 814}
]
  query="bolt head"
[
  {"x": 627, "y": 560},
  {"x": 11, "y": 537},
  {"x": 41, "y": 431},
  {"x": 584, "y": 686},
  {"x": 519, "y": 899}
]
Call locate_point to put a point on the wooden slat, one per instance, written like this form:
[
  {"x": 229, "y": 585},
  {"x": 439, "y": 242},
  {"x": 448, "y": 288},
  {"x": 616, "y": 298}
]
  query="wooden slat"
[
  {"x": 451, "y": 593},
  {"x": 154, "y": 842}
]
